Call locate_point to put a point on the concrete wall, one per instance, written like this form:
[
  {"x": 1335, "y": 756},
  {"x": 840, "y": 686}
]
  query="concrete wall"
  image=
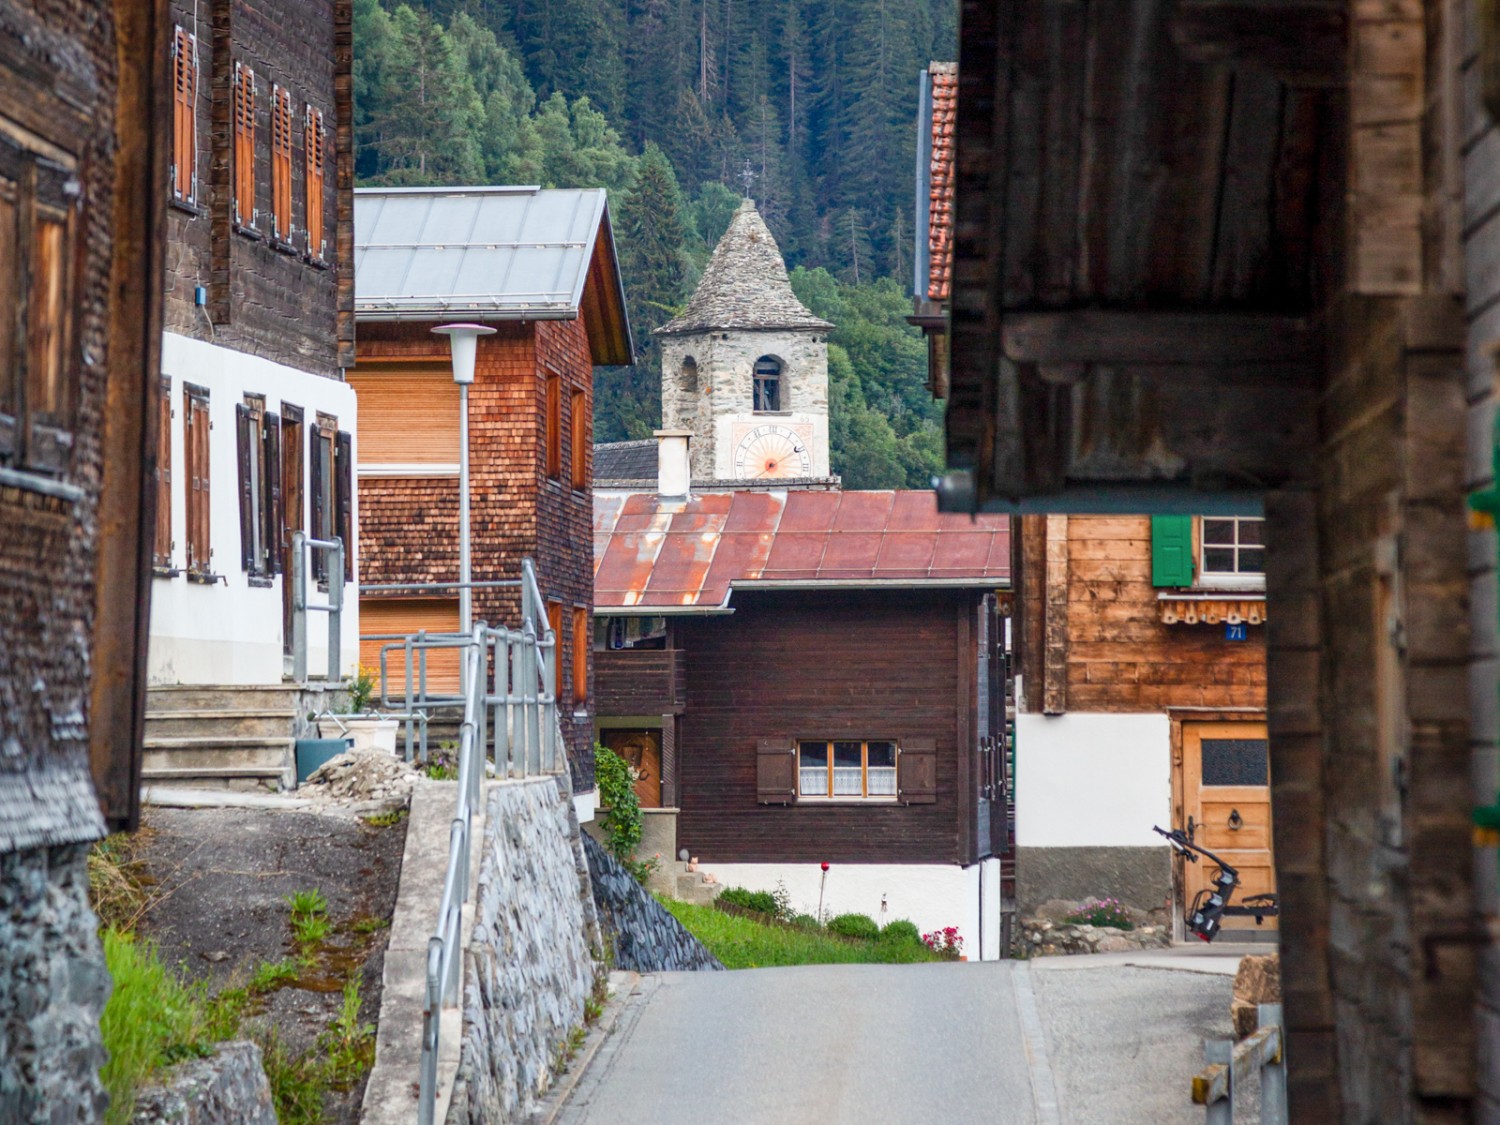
[
  {"x": 230, "y": 632},
  {"x": 714, "y": 399},
  {"x": 53, "y": 985},
  {"x": 930, "y": 895},
  {"x": 530, "y": 962}
]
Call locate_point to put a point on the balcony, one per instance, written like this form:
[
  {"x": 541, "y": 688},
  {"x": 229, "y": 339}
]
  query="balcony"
[{"x": 639, "y": 682}]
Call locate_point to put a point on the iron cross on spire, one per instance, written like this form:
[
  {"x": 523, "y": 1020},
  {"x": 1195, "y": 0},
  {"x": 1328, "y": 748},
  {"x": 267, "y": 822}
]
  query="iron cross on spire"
[{"x": 747, "y": 177}]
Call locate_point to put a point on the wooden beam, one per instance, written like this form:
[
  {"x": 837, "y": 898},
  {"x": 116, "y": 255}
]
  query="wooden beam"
[
  {"x": 1055, "y": 658},
  {"x": 1054, "y": 339},
  {"x": 1301, "y": 42}
]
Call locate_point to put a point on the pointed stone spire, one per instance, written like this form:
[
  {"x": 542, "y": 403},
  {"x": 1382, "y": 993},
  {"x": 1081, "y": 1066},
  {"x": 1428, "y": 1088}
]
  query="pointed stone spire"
[{"x": 744, "y": 285}]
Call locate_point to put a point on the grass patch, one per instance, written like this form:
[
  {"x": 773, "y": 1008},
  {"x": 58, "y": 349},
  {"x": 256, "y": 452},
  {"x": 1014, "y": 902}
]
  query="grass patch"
[
  {"x": 310, "y": 924},
  {"x": 119, "y": 888},
  {"x": 152, "y": 1020},
  {"x": 368, "y": 924},
  {"x": 349, "y": 1044},
  {"x": 387, "y": 819},
  {"x": 743, "y": 943},
  {"x": 270, "y": 975},
  {"x": 296, "y": 1081}
]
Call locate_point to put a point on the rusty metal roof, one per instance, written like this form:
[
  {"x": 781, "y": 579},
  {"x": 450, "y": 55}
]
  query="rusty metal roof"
[
  {"x": 944, "y": 78},
  {"x": 687, "y": 555}
]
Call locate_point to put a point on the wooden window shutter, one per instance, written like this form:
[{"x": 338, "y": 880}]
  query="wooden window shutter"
[
  {"x": 195, "y": 446},
  {"x": 184, "y": 106},
  {"x": 244, "y": 145},
  {"x": 314, "y": 148},
  {"x": 161, "y": 553},
  {"x": 775, "y": 771},
  {"x": 319, "y": 516},
  {"x": 580, "y": 439},
  {"x": 554, "y": 622},
  {"x": 582, "y": 642},
  {"x": 554, "y": 426},
  {"x": 270, "y": 488},
  {"x": 1171, "y": 550},
  {"x": 343, "y": 467},
  {"x": 281, "y": 163},
  {"x": 244, "y": 421},
  {"x": 916, "y": 771}
]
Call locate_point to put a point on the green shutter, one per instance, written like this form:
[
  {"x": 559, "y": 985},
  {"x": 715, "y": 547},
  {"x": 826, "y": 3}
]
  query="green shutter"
[{"x": 1171, "y": 550}]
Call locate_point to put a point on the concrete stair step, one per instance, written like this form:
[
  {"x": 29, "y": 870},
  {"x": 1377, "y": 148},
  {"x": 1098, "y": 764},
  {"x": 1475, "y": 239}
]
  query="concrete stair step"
[
  {"x": 222, "y": 777},
  {"x": 260, "y": 722},
  {"x": 214, "y": 753},
  {"x": 218, "y": 697}
]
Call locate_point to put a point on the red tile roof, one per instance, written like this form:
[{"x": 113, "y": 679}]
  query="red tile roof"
[
  {"x": 944, "y": 78},
  {"x": 674, "y": 553}
]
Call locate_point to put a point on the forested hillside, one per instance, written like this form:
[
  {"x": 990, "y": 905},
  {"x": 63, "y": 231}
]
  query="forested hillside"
[{"x": 677, "y": 106}]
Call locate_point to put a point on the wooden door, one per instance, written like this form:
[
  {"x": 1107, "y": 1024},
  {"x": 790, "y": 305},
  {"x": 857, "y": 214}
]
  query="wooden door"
[
  {"x": 642, "y": 750},
  {"x": 1226, "y": 789}
]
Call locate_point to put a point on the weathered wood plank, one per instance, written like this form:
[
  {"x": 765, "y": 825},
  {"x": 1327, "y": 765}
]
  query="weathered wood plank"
[
  {"x": 1055, "y": 664},
  {"x": 1242, "y": 242},
  {"x": 1167, "y": 339},
  {"x": 1300, "y": 42}
]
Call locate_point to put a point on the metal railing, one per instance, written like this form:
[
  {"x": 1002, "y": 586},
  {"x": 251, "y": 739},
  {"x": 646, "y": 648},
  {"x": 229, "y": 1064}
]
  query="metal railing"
[
  {"x": 508, "y": 677},
  {"x": 302, "y": 544},
  {"x": 1233, "y": 1064}
]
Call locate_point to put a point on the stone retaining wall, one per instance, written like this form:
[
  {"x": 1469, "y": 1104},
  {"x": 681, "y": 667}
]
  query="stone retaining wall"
[
  {"x": 645, "y": 938},
  {"x": 531, "y": 960},
  {"x": 228, "y": 1089}
]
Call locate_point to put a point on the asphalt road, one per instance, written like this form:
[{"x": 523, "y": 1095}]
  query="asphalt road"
[{"x": 1009, "y": 1043}]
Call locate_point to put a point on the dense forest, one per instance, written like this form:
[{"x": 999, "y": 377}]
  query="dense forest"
[{"x": 679, "y": 107}]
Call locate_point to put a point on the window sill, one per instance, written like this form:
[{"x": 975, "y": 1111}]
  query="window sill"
[
  {"x": 164, "y": 572},
  {"x": 189, "y": 207},
  {"x": 772, "y": 413},
  {"x": 285, "y": 248},
  {"x": 204, "y": 578},
  {"x": 249, "y": 232},
  {"x": 259, "y": 582},
  {"x": 823, "y": 802},
  {"x": 36, "y": 482},
  {"x": 316, "y": 262}
]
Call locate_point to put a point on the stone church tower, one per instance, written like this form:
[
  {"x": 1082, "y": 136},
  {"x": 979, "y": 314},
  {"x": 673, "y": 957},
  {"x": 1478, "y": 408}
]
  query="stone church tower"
[{"x": 745, "y": 366}]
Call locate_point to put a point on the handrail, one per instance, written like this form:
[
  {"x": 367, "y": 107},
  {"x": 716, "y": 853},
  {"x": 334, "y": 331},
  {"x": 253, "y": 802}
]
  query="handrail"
[
  {"x": 508, "y": 690},
  {"x": 1231, "y": 1064},
  {"x": 302, "y": 543}
]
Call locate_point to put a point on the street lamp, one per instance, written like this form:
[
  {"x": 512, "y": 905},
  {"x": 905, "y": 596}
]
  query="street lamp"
[{"x": 463, "y": 344}]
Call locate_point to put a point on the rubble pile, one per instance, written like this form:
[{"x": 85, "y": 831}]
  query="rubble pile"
[
  {"x": 1050, "y": 934},
  {"x": 363, "y": 776}
]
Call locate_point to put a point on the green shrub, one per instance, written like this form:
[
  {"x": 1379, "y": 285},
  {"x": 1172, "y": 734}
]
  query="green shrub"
[
  {"x": 805, "y": 922},
  {"x": 740, "y": 941},
  {"x": 762, "y": 902},
  {"x": 901, "y": 930},
  {"x": 1102, "y": 912},
  {"x": 855, "y": 926},
  {"x": 622, "y": 824}
]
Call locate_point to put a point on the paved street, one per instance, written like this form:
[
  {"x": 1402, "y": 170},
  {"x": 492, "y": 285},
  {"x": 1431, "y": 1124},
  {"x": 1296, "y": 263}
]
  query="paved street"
[{"x": 1061, "y": 1040}]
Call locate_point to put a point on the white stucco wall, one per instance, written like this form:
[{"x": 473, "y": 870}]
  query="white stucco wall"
[
  {"x": 930, "y": 895},
  {"x": 230, "y": 632},
  {"x": 1092, "y": 780}
]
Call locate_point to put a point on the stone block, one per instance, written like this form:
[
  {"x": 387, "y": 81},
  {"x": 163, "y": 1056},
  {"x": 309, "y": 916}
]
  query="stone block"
[{"x": 228, "y": 1089}]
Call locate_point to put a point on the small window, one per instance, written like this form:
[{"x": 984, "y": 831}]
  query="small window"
[
  {"x": 552, "y": 426},
  {"x": 244, "y": 146},
  {"x": 161, "y": 550},
  {"x": 315, "y": 146},
  {"x": 184, "y": 116},
  {"x": 1232, "y": 551},
  {"x": 261, "y": 487},
  {"x": 581, "y": 635},
  {"x": 846, "y": 770},
  {"x": 195, "y": 438},
  {"x": 688, "y": 375},
  {"x": 580, "y": 448},
  {"x": 331, "y": 470},
  {"x": 281, "y": 163},
  {"x": 768, "y": 397},
  {"x": 554, "y": 622}
]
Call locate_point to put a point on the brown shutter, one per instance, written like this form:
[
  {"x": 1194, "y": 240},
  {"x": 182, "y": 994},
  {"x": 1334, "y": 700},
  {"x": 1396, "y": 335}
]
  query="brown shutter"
[
  {"x": 281, "y": 163},
  {"x": 916, "y": 771},
  {"x": 580, "y": 439},
  {"x": 184, "y": 98},
  {"x": 343, "y": 467},
  {"x": 161, "y": 553},
  {"x": 244, "y": 426},
  {"x": 244, "y": 145},
  {"x": 554, "y": 426},
  {"x": 313, "y": 149},
  {"x": 195, "y": 443},
  {"x": 775, "y": 771},
  {"x": 319, "y": 517},
  {"x": 270, "y": 488}
]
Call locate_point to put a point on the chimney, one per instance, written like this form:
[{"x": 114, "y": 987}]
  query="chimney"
[{"x": 674, "y": 475}]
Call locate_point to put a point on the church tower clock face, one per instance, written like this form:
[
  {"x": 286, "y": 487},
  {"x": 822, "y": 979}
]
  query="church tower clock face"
[{"x": 771, "y": 452}]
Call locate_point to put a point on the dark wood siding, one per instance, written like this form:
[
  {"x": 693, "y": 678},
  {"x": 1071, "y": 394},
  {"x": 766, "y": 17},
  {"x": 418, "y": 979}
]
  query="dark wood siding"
[
  {"x": 819, "y": 665},
  {"x": 640, "y": 681}
]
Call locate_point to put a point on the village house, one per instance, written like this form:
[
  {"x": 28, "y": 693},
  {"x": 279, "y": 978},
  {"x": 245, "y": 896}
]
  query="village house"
[
  {"x": 81, "y": 238},
  {"x": 800, "y": 674},
  {"x": 538, "y": 267},
  {"x": 256, "y": 428}
]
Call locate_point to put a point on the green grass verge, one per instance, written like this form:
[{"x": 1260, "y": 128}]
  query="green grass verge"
[{"x": 742, "y": 943}]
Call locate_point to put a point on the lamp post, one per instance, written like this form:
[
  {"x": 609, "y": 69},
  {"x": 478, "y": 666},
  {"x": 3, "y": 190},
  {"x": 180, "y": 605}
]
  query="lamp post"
[{"x": 463, "y": 344}]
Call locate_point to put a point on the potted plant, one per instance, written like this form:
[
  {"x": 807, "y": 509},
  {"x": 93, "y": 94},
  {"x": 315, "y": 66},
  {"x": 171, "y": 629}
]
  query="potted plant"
[{"x": 359, "y": 725}]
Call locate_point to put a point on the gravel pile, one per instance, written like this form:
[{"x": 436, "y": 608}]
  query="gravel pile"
[{"x": 362, "y": 776}]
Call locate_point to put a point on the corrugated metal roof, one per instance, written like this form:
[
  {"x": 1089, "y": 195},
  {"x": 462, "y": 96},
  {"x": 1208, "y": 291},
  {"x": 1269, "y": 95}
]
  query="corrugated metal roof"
[
  {"x": 688, "y": 554},
  {"x": 488, "y": 253}
]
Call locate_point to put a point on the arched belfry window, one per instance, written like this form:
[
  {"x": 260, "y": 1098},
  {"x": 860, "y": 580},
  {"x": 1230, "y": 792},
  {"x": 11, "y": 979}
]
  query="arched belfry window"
[
  {"x": 689, "y": 375},
  {"x": 768, "y": 385}
]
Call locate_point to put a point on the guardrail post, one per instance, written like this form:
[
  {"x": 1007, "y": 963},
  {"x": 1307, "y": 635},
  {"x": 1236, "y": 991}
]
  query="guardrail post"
[
  {"x": 515, "y": 724},
  {"x": 299, "y": 606},
  {"x": 1221, "y": 1051},
  {"x": 336, "y": 613},
  {"x": 1273, "y": 1107}
]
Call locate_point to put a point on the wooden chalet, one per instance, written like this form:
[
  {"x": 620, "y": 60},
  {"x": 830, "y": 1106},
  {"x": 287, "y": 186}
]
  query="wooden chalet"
[
  {"x": 1214, "y": 257},
  {"x": 83, "y": 92},
  {"x": 813, "y": 676},
  {"x": 539, "y": 267}
]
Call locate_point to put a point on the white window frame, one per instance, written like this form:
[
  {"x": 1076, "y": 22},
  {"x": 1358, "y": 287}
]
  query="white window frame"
[{"x": 1237, "y": 580}]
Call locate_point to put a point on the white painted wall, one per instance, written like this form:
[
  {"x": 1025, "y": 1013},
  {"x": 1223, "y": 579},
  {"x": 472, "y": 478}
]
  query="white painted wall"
[
  {"x": 1092, "y": 780},
  {"x": 230, "y": 632},
  {"x": 930, "y": 895}
]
